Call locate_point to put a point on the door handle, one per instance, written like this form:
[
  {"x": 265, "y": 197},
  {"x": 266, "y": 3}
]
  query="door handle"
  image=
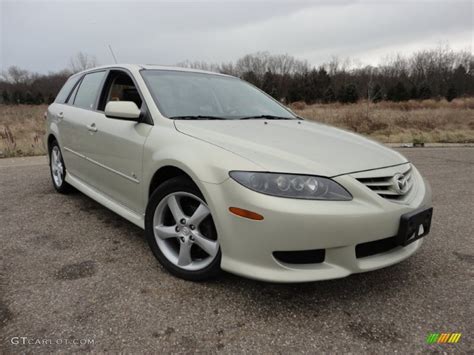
[
  {"x": 92, "y": 127},
  {"x": 60, "y": 115}
]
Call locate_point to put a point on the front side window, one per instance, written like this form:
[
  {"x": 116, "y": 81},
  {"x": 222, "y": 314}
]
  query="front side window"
[
  {"x": 86, "y": 96},
  {"x": 181, "y": 94},
  {"x": 119, "y": 86}
]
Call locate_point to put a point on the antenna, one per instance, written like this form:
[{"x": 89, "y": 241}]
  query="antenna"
[{"x": 113, "y": 54}]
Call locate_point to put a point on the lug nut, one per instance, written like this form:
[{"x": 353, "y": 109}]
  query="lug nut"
[
  {"x": 177, "y": 228},
  {"x": 191, "y": 238},
  {"x": 192, "y": 226},
  {"x": 183, "y": 221}
]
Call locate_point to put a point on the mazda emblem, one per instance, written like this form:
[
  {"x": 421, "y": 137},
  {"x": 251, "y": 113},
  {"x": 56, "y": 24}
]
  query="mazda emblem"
[{"x": 400, "y": 183}]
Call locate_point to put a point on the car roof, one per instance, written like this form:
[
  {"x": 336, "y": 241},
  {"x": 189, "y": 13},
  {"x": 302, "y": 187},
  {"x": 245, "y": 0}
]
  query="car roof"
[{"x": 152, "y": 67}]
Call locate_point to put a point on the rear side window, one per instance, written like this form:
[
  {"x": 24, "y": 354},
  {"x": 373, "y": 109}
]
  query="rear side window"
[
  {"x": 86, "y": 96},
  {"x": 66, "y": 89},
  {"x": 71, "y": 98}
]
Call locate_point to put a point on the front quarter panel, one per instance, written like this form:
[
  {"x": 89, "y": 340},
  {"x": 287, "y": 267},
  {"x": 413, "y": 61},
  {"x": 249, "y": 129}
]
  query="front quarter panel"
[{"x": 202, "y": 161}]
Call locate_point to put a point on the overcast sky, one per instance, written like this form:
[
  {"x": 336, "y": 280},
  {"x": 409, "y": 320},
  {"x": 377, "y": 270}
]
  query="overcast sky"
[{"x": 43, "y": 35}]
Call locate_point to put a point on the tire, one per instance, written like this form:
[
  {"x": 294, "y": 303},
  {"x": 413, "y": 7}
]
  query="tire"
[
  {"x": 57, "y": 169},
  {"x": 180, "y": 231}
]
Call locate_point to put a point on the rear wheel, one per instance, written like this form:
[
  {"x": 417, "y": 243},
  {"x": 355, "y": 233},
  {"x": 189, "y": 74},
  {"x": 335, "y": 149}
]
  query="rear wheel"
[
  {"x": 181, "y": 232},
  {"x": 58, "y": 169}
]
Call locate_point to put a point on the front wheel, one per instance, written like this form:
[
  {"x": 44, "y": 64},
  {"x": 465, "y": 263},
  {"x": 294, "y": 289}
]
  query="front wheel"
[{"x": 181, "y": 232}]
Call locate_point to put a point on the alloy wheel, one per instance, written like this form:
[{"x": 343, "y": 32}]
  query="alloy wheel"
[
  {"x": 57, "y": 166},
  {"x": 185, "y": 232}
]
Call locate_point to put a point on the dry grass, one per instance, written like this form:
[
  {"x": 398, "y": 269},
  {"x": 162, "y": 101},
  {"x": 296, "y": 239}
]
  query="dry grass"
[
  {"x": 426, "y": 121},
  {"x": 21, "y": 130},
  {"x": 430, "y": 121}
]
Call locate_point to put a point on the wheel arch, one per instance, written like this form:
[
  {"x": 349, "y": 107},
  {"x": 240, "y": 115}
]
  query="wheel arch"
[
  {"x": 166, "y": 173},
  {"x": 51, "y": 139}
]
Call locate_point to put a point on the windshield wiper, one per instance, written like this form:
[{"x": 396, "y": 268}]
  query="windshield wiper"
[
  {"x": 266, "y": 117},
  {"x": 198, "y": 117}
]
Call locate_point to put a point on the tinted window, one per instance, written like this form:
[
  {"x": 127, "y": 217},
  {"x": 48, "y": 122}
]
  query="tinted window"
[
  {"x": 66, "y": 89},
  {"x": 192, "y": 94},
  {"x": 71, "y": 98},
  {"x": 88, "y": 90}
]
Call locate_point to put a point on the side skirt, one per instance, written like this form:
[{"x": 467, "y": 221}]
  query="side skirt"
[{"x": 106, "y": 201}]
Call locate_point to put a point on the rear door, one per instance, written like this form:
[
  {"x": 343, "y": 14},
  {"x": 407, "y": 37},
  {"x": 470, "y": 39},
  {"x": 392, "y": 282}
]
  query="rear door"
[{"x": 77, "y": 127}]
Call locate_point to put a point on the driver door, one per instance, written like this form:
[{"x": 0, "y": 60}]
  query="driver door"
[{"x": 119, "y": 144}]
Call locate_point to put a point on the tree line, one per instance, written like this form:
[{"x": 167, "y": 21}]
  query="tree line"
[
  {"x": 434, "y": 73},
  {"x": 19, "y": 86}
]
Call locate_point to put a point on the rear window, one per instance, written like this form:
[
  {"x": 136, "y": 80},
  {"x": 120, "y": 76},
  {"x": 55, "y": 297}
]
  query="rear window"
[
  {"x": 86, "y": 96},
  {"x": 66, "y": 89}
]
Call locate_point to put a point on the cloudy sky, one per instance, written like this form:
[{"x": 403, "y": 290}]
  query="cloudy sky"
[{"x": 43, "y": 35}]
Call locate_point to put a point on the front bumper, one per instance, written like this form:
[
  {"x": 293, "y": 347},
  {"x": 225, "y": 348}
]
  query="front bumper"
[{"x": 295, "y": 225}]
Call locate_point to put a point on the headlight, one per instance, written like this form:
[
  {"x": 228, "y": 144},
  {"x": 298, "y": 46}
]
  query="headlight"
[{"x": 292, "y": 186}]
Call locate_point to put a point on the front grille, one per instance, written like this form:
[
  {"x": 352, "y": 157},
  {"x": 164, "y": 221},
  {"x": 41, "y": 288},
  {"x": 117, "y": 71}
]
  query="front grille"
[
  {"x": 385, "y": 186},
  {"x": 313, "y": 256},
  {"x": 375, "y": 247}
]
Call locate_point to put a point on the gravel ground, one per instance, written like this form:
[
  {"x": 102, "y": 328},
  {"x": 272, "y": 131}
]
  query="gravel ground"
[{"x": 76, "y": 277}]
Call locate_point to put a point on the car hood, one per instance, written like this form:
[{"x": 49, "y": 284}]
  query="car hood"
[{"x": 294, "y": 146}]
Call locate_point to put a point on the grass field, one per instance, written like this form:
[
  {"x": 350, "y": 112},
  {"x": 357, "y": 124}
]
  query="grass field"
[
  {"x": 429, "y": 121},
  {"x": 426, "y": 121},
  {"x": 21, "y": 130}
]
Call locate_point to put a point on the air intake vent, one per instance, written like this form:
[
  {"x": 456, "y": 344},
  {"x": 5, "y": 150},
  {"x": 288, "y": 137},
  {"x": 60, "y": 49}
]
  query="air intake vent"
[
  {"x": 394, "y": 187},
  {"x": 375, "y": 247},
  {"x": 314, "y": 256}
]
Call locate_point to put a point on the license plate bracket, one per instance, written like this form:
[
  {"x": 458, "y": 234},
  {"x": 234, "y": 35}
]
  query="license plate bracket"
[{"x": 414, "y": 225}]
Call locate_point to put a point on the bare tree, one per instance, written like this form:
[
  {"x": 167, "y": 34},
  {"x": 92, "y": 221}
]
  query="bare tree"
[
  {"x": 200, "y": 65},
  {"x": 431, "y": 73},
  {"x": 15, "y": 75},
  {"x": 228, "y": 68},
  {"x": 82, "y": 61}
]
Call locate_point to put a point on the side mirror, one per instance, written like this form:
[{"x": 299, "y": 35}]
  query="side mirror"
[{"x": 122, "y": 110}]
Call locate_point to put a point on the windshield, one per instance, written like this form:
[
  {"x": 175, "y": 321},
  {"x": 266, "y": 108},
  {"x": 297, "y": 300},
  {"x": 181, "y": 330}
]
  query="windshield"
[{"x": 189, "y": 95}]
